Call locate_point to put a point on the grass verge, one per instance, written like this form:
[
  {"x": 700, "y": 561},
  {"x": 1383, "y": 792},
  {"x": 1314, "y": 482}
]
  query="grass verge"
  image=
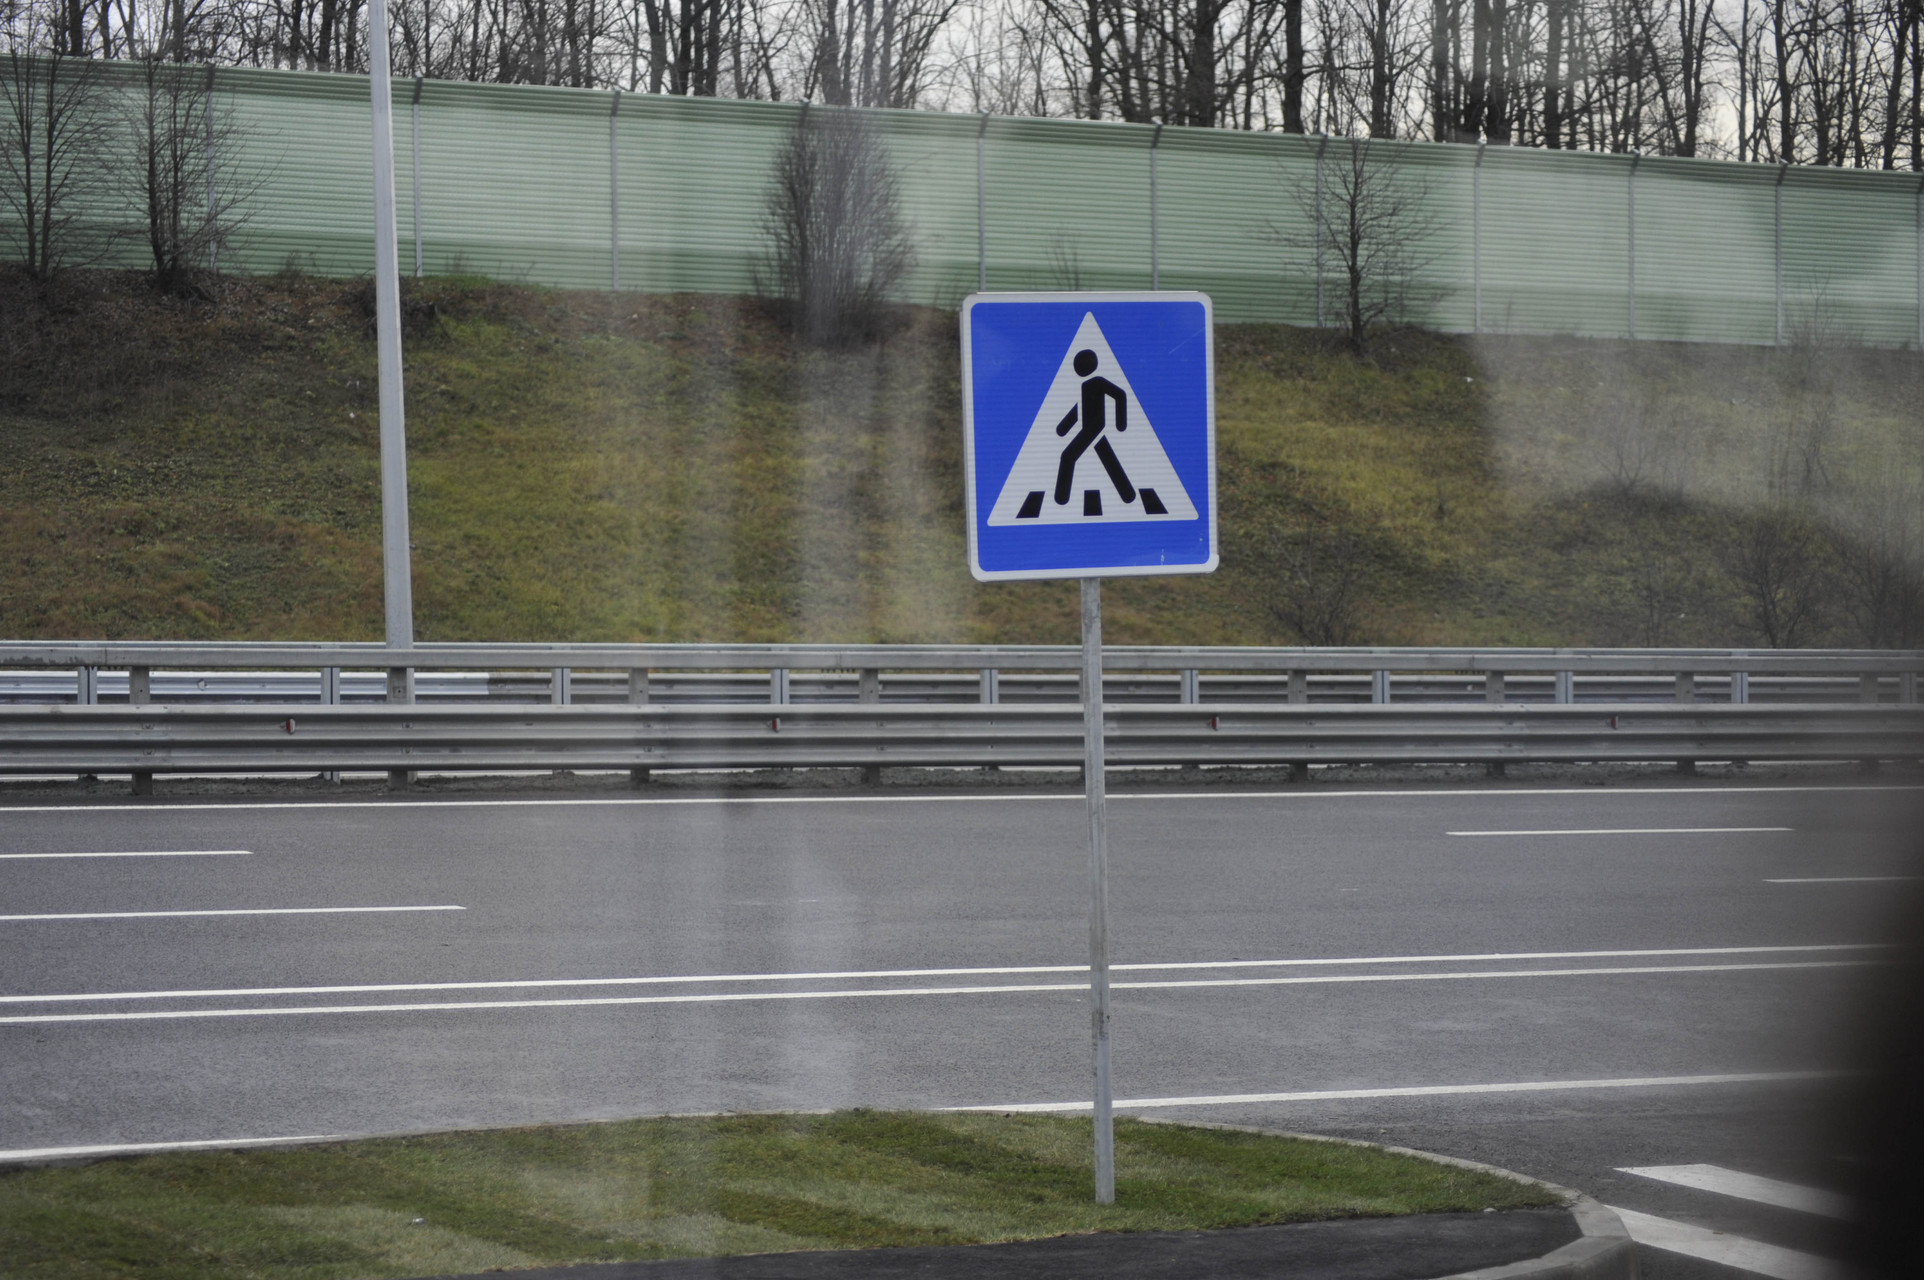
[{"x": 684, "y": 1187}]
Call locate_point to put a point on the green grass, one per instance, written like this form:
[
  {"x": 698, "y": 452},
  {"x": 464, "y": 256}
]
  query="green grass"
[
  {"x": 683, "y": 1187},
  {"x": 627, "y": 467}
]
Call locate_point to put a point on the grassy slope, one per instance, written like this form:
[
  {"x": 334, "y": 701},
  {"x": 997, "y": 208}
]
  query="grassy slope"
[
  {"x": 467, "y": 1202},
  {"x": 591, "y": 467}
]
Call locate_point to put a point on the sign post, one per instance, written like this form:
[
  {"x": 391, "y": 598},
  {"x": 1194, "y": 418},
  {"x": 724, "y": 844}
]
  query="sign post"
[{"x": 1089, "y": 448}]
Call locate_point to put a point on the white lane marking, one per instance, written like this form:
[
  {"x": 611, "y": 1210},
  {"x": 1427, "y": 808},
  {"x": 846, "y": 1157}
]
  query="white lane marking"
[
  {"x": 1420, "y": 1091},
  {"x": 1627, "y": 831},
  {"x": 996, "y": 971},
  {"x": 1749, "y": 1186},
  {"x": 141, "y": 853},
  {"x": 1727, "y": 1250},
  {"x": 142, "y": 1148},
  {"x": 1845, "y": 880},
  {"x": 231, "y": 911},
  {"x": 739, "y": 997},
  {"x": 627, "y": 801}
]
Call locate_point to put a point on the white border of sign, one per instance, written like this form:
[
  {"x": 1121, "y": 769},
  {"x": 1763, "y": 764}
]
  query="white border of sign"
[{"x": 968, "y": 434}]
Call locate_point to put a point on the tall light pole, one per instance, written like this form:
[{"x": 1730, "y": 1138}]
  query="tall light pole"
[{"x": 395, "y": 562}]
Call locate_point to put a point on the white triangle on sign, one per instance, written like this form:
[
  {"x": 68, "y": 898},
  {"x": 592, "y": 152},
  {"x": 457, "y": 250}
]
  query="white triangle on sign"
[{"x": 1029, "y": 495}]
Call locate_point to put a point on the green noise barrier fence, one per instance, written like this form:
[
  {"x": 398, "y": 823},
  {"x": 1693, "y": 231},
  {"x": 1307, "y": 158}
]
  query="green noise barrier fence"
[{"x": 589, "y": 189}]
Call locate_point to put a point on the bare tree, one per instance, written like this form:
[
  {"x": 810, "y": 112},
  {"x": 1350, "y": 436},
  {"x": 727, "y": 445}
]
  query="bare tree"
[
  {"x": 54, "y": 111},
  {"x": 837, "y": 242},
  {"x": 184, "y": 177},
  {"x": 1370, "y": 227}
]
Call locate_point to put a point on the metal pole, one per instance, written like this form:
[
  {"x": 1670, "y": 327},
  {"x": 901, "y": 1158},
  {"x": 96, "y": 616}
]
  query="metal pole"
[
  {"x": 981, "y": 208},
  {"x": 415, "y": 130},
  {"x": 1155, "y": 245},
  {"x": 614, "y": 199},
  {"x": 213, "y": 207},
  {"x": 1476, "y": 235},
  {"x": 1635, "y": 156},
  {"x": 1777, "y": 234},
  {"x": 395, "y": 567},
  {"x": 1321, "y": 146},
  {"x": 1098, "y": 886},
  {"x": 1920, "y": 263}
]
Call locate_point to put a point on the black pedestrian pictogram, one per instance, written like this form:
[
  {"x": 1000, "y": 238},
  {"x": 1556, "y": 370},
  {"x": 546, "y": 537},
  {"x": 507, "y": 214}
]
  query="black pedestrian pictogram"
[{"x": 1093, "y": 415}]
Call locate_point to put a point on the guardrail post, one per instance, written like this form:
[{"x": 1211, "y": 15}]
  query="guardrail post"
[
  {"x": 400, "y": 690},
  {"x": 1191, "y": 686},
  {"x": 87, "y": 686},
  {"x": 778, "y": 685},
  {"x": 1907, "y": 687},
  {"x": 561, "y": 686},
  {"x": 991, "y": 686},
  {"x": 1867, "y": 688},
  {"x": 637, "y": 696},
  {"x": 1740, "y": 687},
  {"x": 1686, "y": 686},
  {"x": 330, "y": 697},
  {"x": 1566, "y": 687},
  {"x": 1298, "y": 688},
  {"x": 1379, "y": 686},
  {"x": 868, "y": 689},
  {"x": 140, "y": 692},
  {"x": 1493, "y": 687}
]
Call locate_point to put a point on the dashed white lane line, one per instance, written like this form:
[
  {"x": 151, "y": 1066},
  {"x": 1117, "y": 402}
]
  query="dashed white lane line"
[
  {"x": 368, "y": 988},
  {"x": 1422, "y": 1091},
  {"x": 1844, "y": 880},
  {"x": 1727, "y": 1250},
  {"x": 1214, "y": 796},
  {"x": 742, "y": 997},
  {"x": 1749, "y": 1186},
  {"x": 1628, "y": 831},
  {"x": 138, "y": 853},
  {"x": 225, "y": 911}
]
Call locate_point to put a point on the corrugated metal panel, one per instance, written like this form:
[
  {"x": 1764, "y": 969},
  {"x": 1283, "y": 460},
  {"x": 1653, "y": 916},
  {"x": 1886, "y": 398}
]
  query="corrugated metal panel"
[{"x": 515, "y": 184}]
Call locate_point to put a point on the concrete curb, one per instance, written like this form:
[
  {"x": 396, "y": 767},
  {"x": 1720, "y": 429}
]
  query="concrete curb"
[{"x": 1604, "y": 1252}]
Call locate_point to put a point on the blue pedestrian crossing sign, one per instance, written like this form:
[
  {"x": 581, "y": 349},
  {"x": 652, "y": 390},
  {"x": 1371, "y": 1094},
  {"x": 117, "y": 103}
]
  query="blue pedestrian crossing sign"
[{"x": 1089, "y": 434}]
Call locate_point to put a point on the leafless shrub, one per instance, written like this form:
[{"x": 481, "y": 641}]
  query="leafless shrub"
[
  {"x": 1775, "y": 558},
  {"x": 190, "y": 194},
  {"x": 56, "y": 118},
  {"x": 1321, "y": 585},
  {"x": 838, "y": 245}
]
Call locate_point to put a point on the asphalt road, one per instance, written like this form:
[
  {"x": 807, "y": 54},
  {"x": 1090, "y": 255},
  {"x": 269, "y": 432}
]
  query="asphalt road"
[{"x": 1668, "y": 976}]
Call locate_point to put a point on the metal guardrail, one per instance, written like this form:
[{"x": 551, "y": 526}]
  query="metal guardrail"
[
  {"x": 333, "y": 707},
  {"x": 155, "y": 739}
]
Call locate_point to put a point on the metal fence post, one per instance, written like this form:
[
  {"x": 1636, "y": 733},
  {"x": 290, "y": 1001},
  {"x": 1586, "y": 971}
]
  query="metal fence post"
[
  {"x": 213, "y": 207},
  {"x": 1191, "y": 686},
  {"x": 140, "y": 686},
  {"x": 989, "y": 688},
  {"x": 981, "y": 207},
  {"x": 1686, "y": 686},
  {"x": 614, "y": 198},
  {"x": 1777, "y": 243},
  {"x": 1299, "y": 688},
  {"x": 1635, "y": 156},
  {"x": 414, "y": 131},
  {"x": 1566, "y": 687},
  {"x": 1379, "y": 686},
  {"x": 561, "y": 686},
  {"x": 1907, "y": 688},
  {"x": 400, "y": 689},
  {"x": 1322, "y": 145},
  {"x": 1740, "y": 687},
  {"x": 637, "y": 696},
  {"x": 86, "y": 686},
  {"x": 1493, "y": 687},
  {"x": 1155, "y": 241},
  {"x": 1476, "y": 236},
  {"x": 778, "y": 685}
]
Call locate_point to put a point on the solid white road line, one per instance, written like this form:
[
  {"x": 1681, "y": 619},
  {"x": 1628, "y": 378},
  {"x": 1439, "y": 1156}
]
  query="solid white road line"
[
  {"x": 1749, "y": 1186},
  {"x": 1627, "y": 831},
  {"x": 143, "y": 1148},
  {"x": 740, "y": 997},
  {"x": 1727, "y": 1250},
  {"x": 630, "y": 801},
  {"x": 1845, "y": 880},
  {"x": 858, "y": 974},
  {"x": 229, "y": 911},
  {"x": 1422, "y": 1091},
  {"x": 140, "y": 853}
]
